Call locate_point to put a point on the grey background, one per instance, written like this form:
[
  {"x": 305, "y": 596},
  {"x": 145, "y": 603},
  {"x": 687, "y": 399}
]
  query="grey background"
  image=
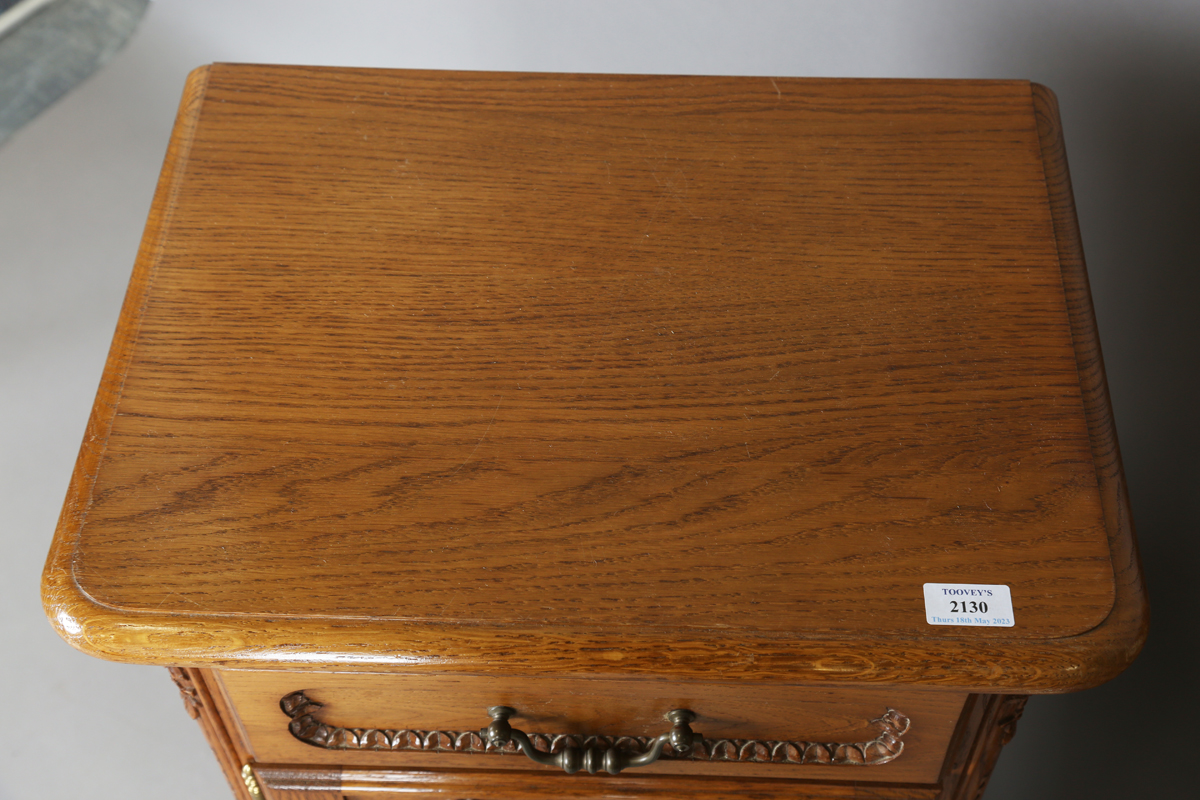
[{"x": 76, "y": 184}]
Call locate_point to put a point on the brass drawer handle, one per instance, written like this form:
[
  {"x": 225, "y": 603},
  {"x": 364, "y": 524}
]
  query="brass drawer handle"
[
  {"x": 307, "y": 726},
  {"x": 593, "y": 759}
]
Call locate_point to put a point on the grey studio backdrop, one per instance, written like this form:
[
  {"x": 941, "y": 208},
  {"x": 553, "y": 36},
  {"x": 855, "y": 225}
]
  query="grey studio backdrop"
[{"x": 76, "y": 184}]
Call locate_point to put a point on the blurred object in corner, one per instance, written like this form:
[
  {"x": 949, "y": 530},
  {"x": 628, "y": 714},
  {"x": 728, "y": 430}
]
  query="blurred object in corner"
[{"x": 49, "y": 46}]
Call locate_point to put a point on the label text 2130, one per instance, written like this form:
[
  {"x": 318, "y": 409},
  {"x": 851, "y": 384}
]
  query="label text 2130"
[{"x": 968, "y": 607}]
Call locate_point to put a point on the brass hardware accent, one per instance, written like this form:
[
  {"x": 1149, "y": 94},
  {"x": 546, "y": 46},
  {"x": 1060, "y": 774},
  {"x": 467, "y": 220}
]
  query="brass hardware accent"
[
  {"x": 306, "y": 726},
  {"x": 593, "y": 759},
  {"x": 251, "y": 782}
]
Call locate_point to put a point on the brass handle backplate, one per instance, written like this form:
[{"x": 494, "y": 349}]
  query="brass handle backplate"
[{"x": 593, "y": 759}]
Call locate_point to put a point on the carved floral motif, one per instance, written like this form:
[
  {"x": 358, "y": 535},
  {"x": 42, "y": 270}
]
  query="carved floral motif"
[{"x": 883, "y": 748}]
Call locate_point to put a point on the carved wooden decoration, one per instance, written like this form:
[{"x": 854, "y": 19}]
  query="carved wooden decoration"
[
  {"x": 1011, "y": 709},
  {"x": 885, "y": 747},
  {"x": 191, "y": 698},
  {"x": 1007, "y": 714}
]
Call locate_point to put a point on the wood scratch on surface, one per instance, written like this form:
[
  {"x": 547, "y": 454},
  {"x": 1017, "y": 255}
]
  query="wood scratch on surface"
[
  {"x": 449, "y": 603},
  {"x": 474, "y": 450},
  {"x": 778, "y": 93}
]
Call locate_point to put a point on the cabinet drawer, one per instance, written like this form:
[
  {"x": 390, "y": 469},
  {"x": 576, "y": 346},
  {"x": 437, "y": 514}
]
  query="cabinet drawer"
[
  {"x": 750, "y": 730},
  {"x": 358, "y": 783}
]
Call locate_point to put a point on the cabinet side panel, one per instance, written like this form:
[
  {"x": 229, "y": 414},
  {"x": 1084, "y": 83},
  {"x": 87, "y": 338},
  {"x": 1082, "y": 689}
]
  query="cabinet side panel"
[
  {"x": 201, "y": 706},
  {"x": 988, "y": 722}
]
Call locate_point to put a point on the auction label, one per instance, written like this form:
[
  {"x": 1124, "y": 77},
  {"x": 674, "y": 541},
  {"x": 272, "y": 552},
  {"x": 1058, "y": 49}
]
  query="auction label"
[{"x": 974, "y": 604}]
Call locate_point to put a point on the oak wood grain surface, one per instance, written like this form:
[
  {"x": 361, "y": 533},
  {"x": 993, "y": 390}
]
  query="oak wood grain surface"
[
  {"x": 594, "y": 707},
  {"x": 596, "y": 373}
]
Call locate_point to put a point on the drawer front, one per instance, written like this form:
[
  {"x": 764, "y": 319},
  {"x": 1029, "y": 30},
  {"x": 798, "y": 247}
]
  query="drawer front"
[
  {"x": 334, "y": 783},
  {"x": 753, "y": 731}
]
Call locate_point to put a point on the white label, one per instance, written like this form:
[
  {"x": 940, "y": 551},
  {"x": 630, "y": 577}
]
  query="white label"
[{"x": 976, "y": 604}]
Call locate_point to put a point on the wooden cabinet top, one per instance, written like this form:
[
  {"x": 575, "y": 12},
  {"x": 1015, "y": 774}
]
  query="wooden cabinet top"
[{"x": 589, "y": 374}]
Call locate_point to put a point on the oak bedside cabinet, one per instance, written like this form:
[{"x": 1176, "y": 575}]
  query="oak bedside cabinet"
[{"x": 701, "y": 437}]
